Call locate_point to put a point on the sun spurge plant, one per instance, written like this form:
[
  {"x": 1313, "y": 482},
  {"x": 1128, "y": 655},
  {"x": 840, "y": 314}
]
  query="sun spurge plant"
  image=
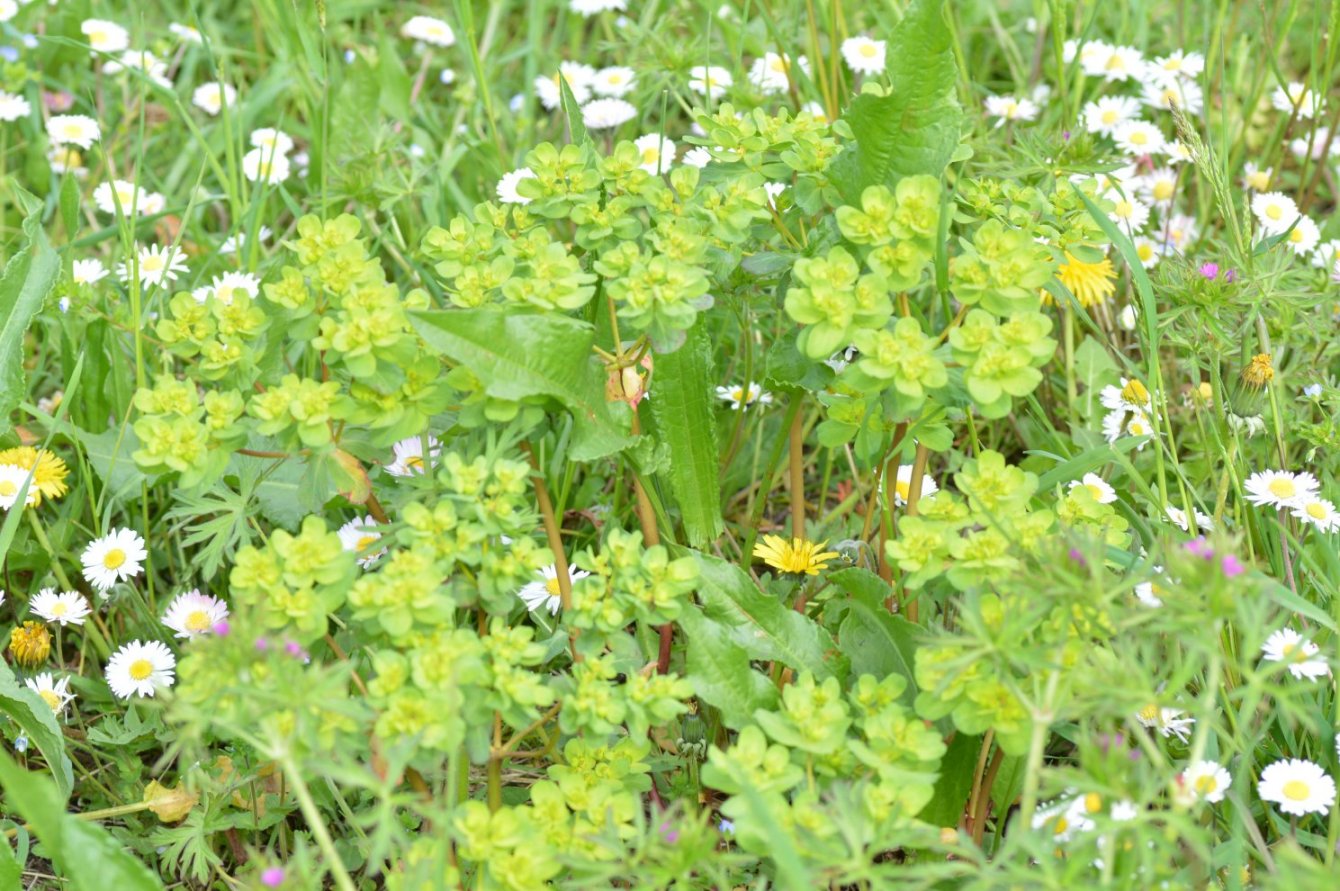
[{"x": 619, "y": 444}]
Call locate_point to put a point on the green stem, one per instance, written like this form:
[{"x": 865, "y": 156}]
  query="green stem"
[{"x": 317, "y": 824}]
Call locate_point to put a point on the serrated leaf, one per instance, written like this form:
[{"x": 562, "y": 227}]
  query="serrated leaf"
[
  {"x": 520, "y": 355},
  {"x": 686, "y": 424},
  {"x": 915, "y": 128},
  {"x": 719, "y": 670},
  {"x": 27, "y": 279},
  {"x": 36, "y": 719},
  {"x": 764, "y": 627},
  {"x": 84, "y": 852}
]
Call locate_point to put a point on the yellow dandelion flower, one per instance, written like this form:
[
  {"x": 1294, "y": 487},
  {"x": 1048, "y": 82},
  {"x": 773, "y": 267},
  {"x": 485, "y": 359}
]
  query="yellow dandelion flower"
[
  {"x": 797, "y": 555},
  {"x": 1259, "y": 371},
  {"x": 1091, "y": 283},
  {"x": 30, "y": 644},
  {"x": 49, "y": 480}
]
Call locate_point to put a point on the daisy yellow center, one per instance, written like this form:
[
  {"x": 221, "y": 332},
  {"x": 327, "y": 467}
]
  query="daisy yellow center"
[
  {"x": 114, "y": 559},
  {"x": 1125, "y": 208},
  {"x": 1163, "y": 190},
  {"x": 140, "y": 669},
  {"x": 1093, "y": 802},
  {"x": 1149, "y": 713},
  {"x": 1114, "y": 63},
  {"x": 1139, "y": 137},
  {"x": 614, "y": 78},
  {"x": 1274, "y": 211},
  {"x": 8, "y": 487},
  {"x": 551, "y": 585},
  {"x": 1316, "y": 510},
  {"x": 60, "y": 608},
  {"x": 1259, "y": 181},
  {"x": 74, "y": 131},
  {"x": 1138, "y": 428},
  {"x": 1287, "y": 650},
  {"x": 1134, "y": 391},
  {"x": 868, "y": 50},
  {"x": 1296, "y": 236},
  {"x": 365, "y": 542},
  {"x": 903, "y": 489},
  {"x": 737, "y": 394},
  {"x": 1011, "y": 107},
  {"x": 1061, "y": 826},
  {"x": 650, "y": 155},
  {"x": 1095, "y": 491},
  {"x": 778, "y": 65},
  {"x": 1169, "y": 97},
  {"x": 1172, "y": 65},
  {"x": 197, "y": 620},
  {"x": 414, "y": 461},
  {"x": 1144, "y": 251},
  {"x": 1206, "y": 784},
  {"x": 1282, "y": 487},
  {"x": 152, "y": 263},
  {"x": 1296, "y": 790},
  {"x": 1109, "y": 117},
  {"x": 51, "y": 699}
]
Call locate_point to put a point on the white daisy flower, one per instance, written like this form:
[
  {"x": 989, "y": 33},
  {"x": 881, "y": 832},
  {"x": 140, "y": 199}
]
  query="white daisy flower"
[
  {"x": 87, "y": 272},
  {"x": 1128, "y": 213},
  {"x": 1129, "y": 395},
  {"x": 1299, "y": 654},
  {"x": 1105, "y": 115},
  {"x": 141, "y": 669},
  {"x": 545, "y": 591},
  {"x": 1314, "y": 145},
  {"x": 902, "y": 485},
  {"x": 579, "y": 79},
  {"x": 1152, "y": 592},
  {"x": 711, "y": 81},
  {"x": 615, "y": 81},
  {"x": 233, "y": 242},
  {"x": 1063, "y": 819},
  {"x": 54, "y": 693},
  {"x": 1185, "y": 95},
  {"x": 359, "y": 536},
  {"x": 506, "y": 189},
  {"x": 1280, "y": 488},
  {"x": 589, "y": 8},
  {"x": 116, "y": 557},
  {"x": 212, "y": 97},
  {"x": 1169, "y": 722},
  {"x": 656, "y": 153},
  {"x": 1159, "y": 186},
  {"x": 143, "y": 61},
  {"x": 736, "y": 396},
  {"x": 186, "y": 33},
  {"x": 272, "y": 140},
  {"x": 226, "y": 287},
  {"x": 64, "y": 608},
  {"x": 771, "y": 74},
  {"x": 1275, "y": 211},
  {"x": 408, "y": 455},
  {"x": 606, "y": 114},
  {"x": 1179, "y": 232},
  {"x": 1177, "y": 65},
  {"x": 130, "y": 198},
  {"x": 1205, "y": 781},
  {"x": 12, "y": 478},
  {"x": 697, "y": 157},
  {"x": 154, "y": 265},
  {"x": 428, "y": 30},
  {"x": 73, "y": 129},
  {"x": 1256, "y": 179},
  {"x": 1119, "y": 63},
  {"x": 265, "y": 165},
  {"x": 1325, "y": 255},
  {"x": 863, "y": 55},
  {"x": 1007, "y": 108},
  {"x": 1295, "y": 96},
  {"x": 1303, "y": 237},
  {"x": 13, "y": 107},
  {"x": 66, "y": 159},
  {"x": 1299, "y": 787},
  {"x": 1097, "y": 486},
  {"x": 1178, "y": 517},
  {"x": 192, "y": 614},
  {"x": 1150, "y": 253},
  {"x": 104, "y": 36},
  {"x": 1139, "y": 138}
]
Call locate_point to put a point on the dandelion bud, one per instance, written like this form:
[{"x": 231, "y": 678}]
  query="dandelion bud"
[{"x": 30, "y": 644}]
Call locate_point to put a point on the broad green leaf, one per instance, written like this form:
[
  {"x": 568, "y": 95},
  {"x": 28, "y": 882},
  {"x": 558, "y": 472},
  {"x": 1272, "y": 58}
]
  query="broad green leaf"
[
  {"x": 572, "y": 110},
  {"x": 915, "y": 128},
  {"x": 686, "y": 422},
  {"x": 109, "y": 452},
  {"x": 38, "y": 722},
  {"x": 719, "y": 670},
  {"x": 877, "y": 641},
  {"x": 954, "y": 786},
  {"x": 1084, "y": 462},
  {"x": 11, "y": 872},
  {"x": 520, "y": 355},
  {"x": 26, "y": 281},
  {"x": 762, "y": 625},
  {"x": 84, "y": 852}
]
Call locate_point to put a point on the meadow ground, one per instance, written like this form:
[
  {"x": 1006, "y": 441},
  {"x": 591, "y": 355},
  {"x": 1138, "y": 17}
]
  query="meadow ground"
[{"x": 669, "y": 444}]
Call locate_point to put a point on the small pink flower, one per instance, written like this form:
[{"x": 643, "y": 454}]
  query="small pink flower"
[
  {"x": 1199, "y": 547},
  {"x": 1232, "y": 566},
  {"x": 1210, "y": 271}
]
